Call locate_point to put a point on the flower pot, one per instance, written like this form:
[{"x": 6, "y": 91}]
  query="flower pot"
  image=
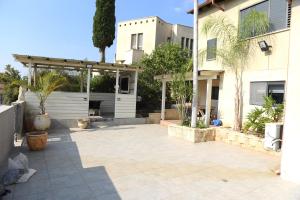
[
  {"x": 37, "y": 140},
  {"x": 41, "y": 122},
  {"x": 83, "y": 123}
]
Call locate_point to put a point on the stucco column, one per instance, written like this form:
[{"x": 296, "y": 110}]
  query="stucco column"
[
  {"x": 208, "y": 101},
  {"x": 290, "y": 163},
  {"x": 163, "y": 100}
]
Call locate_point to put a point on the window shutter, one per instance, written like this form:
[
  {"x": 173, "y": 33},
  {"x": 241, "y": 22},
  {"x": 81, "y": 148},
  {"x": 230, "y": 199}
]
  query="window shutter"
[
  {"x": 278, "y": 14},
  {"x": 258, "y": 90},
  {"x": 211, "y": 49}
]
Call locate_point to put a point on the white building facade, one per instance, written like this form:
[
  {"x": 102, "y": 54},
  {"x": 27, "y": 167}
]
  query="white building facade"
[{"x": 141, "y": 36}]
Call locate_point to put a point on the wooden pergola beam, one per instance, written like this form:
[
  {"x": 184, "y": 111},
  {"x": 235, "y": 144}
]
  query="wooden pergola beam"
[{"x": 68, "y": 64}]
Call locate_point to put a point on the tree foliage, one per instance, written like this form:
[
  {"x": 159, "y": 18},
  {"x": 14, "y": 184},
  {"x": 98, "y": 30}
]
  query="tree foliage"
[
  {"x": 104, "y": 83},
  {"x": 104, "y": 25},
  {"x": 165, "y": 59},
  {"x": 181, "y": 91},
  {"x": 236, "y": 48},
  {"x": 11, "y": 79},
  {"x": 46, "y": 84}
]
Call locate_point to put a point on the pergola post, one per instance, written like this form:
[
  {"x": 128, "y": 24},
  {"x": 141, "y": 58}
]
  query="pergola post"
[
  {"x": 88, "y": 82},
  {"x": 208, "y": 101},
  {"x": 34, "y": 76},
  {"x": 117, "y": 82},
  {"x": 136, "y": 82},
  {"x": 29, "y": 73},
  {"x": 163, "y": 100}
]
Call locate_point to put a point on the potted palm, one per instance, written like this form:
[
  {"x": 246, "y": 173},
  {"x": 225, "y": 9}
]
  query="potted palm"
[{"x": 46, "y": 84}]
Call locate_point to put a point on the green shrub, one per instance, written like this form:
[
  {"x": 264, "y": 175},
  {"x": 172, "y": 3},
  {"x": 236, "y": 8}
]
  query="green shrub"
[{"x": 258, "y": 117}]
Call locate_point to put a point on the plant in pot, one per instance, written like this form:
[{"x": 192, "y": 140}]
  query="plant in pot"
[{"x": 46, "y": 84}]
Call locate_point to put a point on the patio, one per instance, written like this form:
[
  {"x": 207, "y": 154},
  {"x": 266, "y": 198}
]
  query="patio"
[{"x": 142, "y": 162}]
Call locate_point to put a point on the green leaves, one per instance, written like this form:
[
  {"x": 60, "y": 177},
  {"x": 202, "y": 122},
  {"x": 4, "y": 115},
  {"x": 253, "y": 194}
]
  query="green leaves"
[
  {"x": 104, "y": 25},
  {"x": 46, "y": 84},
  {"x": 258, "y": 117},
  {"x": 11, "y": 79},
  {"x": 165, "y": 59}
]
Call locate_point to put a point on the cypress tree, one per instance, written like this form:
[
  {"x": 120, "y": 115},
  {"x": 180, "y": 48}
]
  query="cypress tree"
[{"x": 104, "y": 25}]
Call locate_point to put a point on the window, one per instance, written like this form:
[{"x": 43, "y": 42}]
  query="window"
[
  {"x": 211, "y": 49},
  {"x": 258, "y": 90},
  {"x": 124, "y": 84},
  {"x": 215, "y": 93},
  {"x": 187, "y": 42},
  {"x": 133, "y": 41},
  {"x": 277, "y": 12},
  {"x": 191, "y": 44},
  {"x": 140, "y": 41},
  {"x": 182, "y": 42}
]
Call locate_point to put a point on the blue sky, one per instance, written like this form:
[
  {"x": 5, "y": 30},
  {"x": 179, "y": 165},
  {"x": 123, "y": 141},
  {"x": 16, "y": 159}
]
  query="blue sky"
[{"x": 63, "y": 28}]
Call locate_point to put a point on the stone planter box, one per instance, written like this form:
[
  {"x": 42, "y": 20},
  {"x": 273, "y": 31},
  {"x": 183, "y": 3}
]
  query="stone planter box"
[
  {"x": 194, "y": 135},
  {"x": 241, "y": 139}
]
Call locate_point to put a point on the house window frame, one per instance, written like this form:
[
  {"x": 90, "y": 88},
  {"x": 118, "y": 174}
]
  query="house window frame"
[
  {"x": 139, "y": 36},
  {"x": 266, "y": 90},
  {"x": 269, "y": 8},
  {"x": 215, "y": 57}
]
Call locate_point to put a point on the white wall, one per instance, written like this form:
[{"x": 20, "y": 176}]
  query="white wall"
[
  {"x": 125, "y": 106},
  {"x": 7, "y": 117},
  {"x": 290, "y": 164},
  {"x": 60, "y": 105}
]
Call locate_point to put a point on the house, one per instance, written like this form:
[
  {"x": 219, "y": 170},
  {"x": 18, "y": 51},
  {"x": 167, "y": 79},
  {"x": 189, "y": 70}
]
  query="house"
[
  {"x": 265, "y": 73},
  {"x": 141, "y": 36},
  {"x": 275, "y": 73}
]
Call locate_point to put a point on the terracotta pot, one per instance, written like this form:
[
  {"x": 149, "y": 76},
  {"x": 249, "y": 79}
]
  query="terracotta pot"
[
  {"x": 37, "y": 140},
  {"x": 83, "y": 123},
  {"x": 41, "y": 122}
]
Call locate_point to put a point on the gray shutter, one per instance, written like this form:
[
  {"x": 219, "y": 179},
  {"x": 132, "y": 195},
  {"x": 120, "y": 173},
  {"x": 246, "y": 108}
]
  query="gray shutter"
[
  {"x": 258, "y": 90},
  {"x": 211, "y": 49},
  {"x": 278, "y": 14}
]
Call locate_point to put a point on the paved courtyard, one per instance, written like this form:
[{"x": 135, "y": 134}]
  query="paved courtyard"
[{"x": 142, "y": 162}]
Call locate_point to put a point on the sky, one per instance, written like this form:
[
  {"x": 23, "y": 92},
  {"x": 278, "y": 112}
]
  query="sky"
[{"x": 63, "y": 28}]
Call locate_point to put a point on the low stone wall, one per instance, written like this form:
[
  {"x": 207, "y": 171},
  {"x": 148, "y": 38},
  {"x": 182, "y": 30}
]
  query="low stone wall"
[
  {"x": 194, "y": 135},
  {"x": 226, "y": 135},
  {"x": 241, "y": 139}
]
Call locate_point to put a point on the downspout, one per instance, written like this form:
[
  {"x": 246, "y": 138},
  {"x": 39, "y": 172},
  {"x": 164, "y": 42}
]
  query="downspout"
[{"x": 218, "y": 6}]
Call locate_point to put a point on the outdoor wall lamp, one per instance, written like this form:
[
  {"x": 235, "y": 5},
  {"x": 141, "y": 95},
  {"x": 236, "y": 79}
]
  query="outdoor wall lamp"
[{"x": 263, "y": 45}]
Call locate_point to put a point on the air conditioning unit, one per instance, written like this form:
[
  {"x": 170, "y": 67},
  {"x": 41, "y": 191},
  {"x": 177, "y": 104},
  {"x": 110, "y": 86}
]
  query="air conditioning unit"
[{"x": 273, "y": 136}]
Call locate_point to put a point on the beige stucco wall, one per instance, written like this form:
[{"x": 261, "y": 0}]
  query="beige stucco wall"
[
  {"x": 147, "y": 26},
  {"x": 155, "y": 32},
  {"x": 261, "y": 67}
]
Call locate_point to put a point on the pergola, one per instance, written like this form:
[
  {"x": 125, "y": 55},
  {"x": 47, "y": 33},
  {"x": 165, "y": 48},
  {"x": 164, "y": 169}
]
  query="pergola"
[
  {"x": 37, "y": 62},
  {"x": 207, "y": 75}
]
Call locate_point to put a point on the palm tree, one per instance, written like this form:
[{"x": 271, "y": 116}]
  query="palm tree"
[
  {"x": 46, "y": 84},
  {"x": 236, "y": 48}
]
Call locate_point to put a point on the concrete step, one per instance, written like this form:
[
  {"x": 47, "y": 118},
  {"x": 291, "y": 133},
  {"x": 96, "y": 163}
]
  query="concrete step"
[{"x": 117, "y": 122}]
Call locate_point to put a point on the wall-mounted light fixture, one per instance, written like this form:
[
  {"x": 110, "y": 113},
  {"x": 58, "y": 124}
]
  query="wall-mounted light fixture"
[{"x": 264, "y": 46}]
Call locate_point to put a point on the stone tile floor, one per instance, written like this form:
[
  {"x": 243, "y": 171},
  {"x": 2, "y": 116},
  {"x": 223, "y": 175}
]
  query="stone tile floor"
[{"x": 142, "y": 162}]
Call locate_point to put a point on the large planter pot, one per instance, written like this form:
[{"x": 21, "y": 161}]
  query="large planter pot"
[
  {"x": 83, "y": 123},
  {"x": 37, "y": 140},
  {"x": 42, "y": 122}
]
